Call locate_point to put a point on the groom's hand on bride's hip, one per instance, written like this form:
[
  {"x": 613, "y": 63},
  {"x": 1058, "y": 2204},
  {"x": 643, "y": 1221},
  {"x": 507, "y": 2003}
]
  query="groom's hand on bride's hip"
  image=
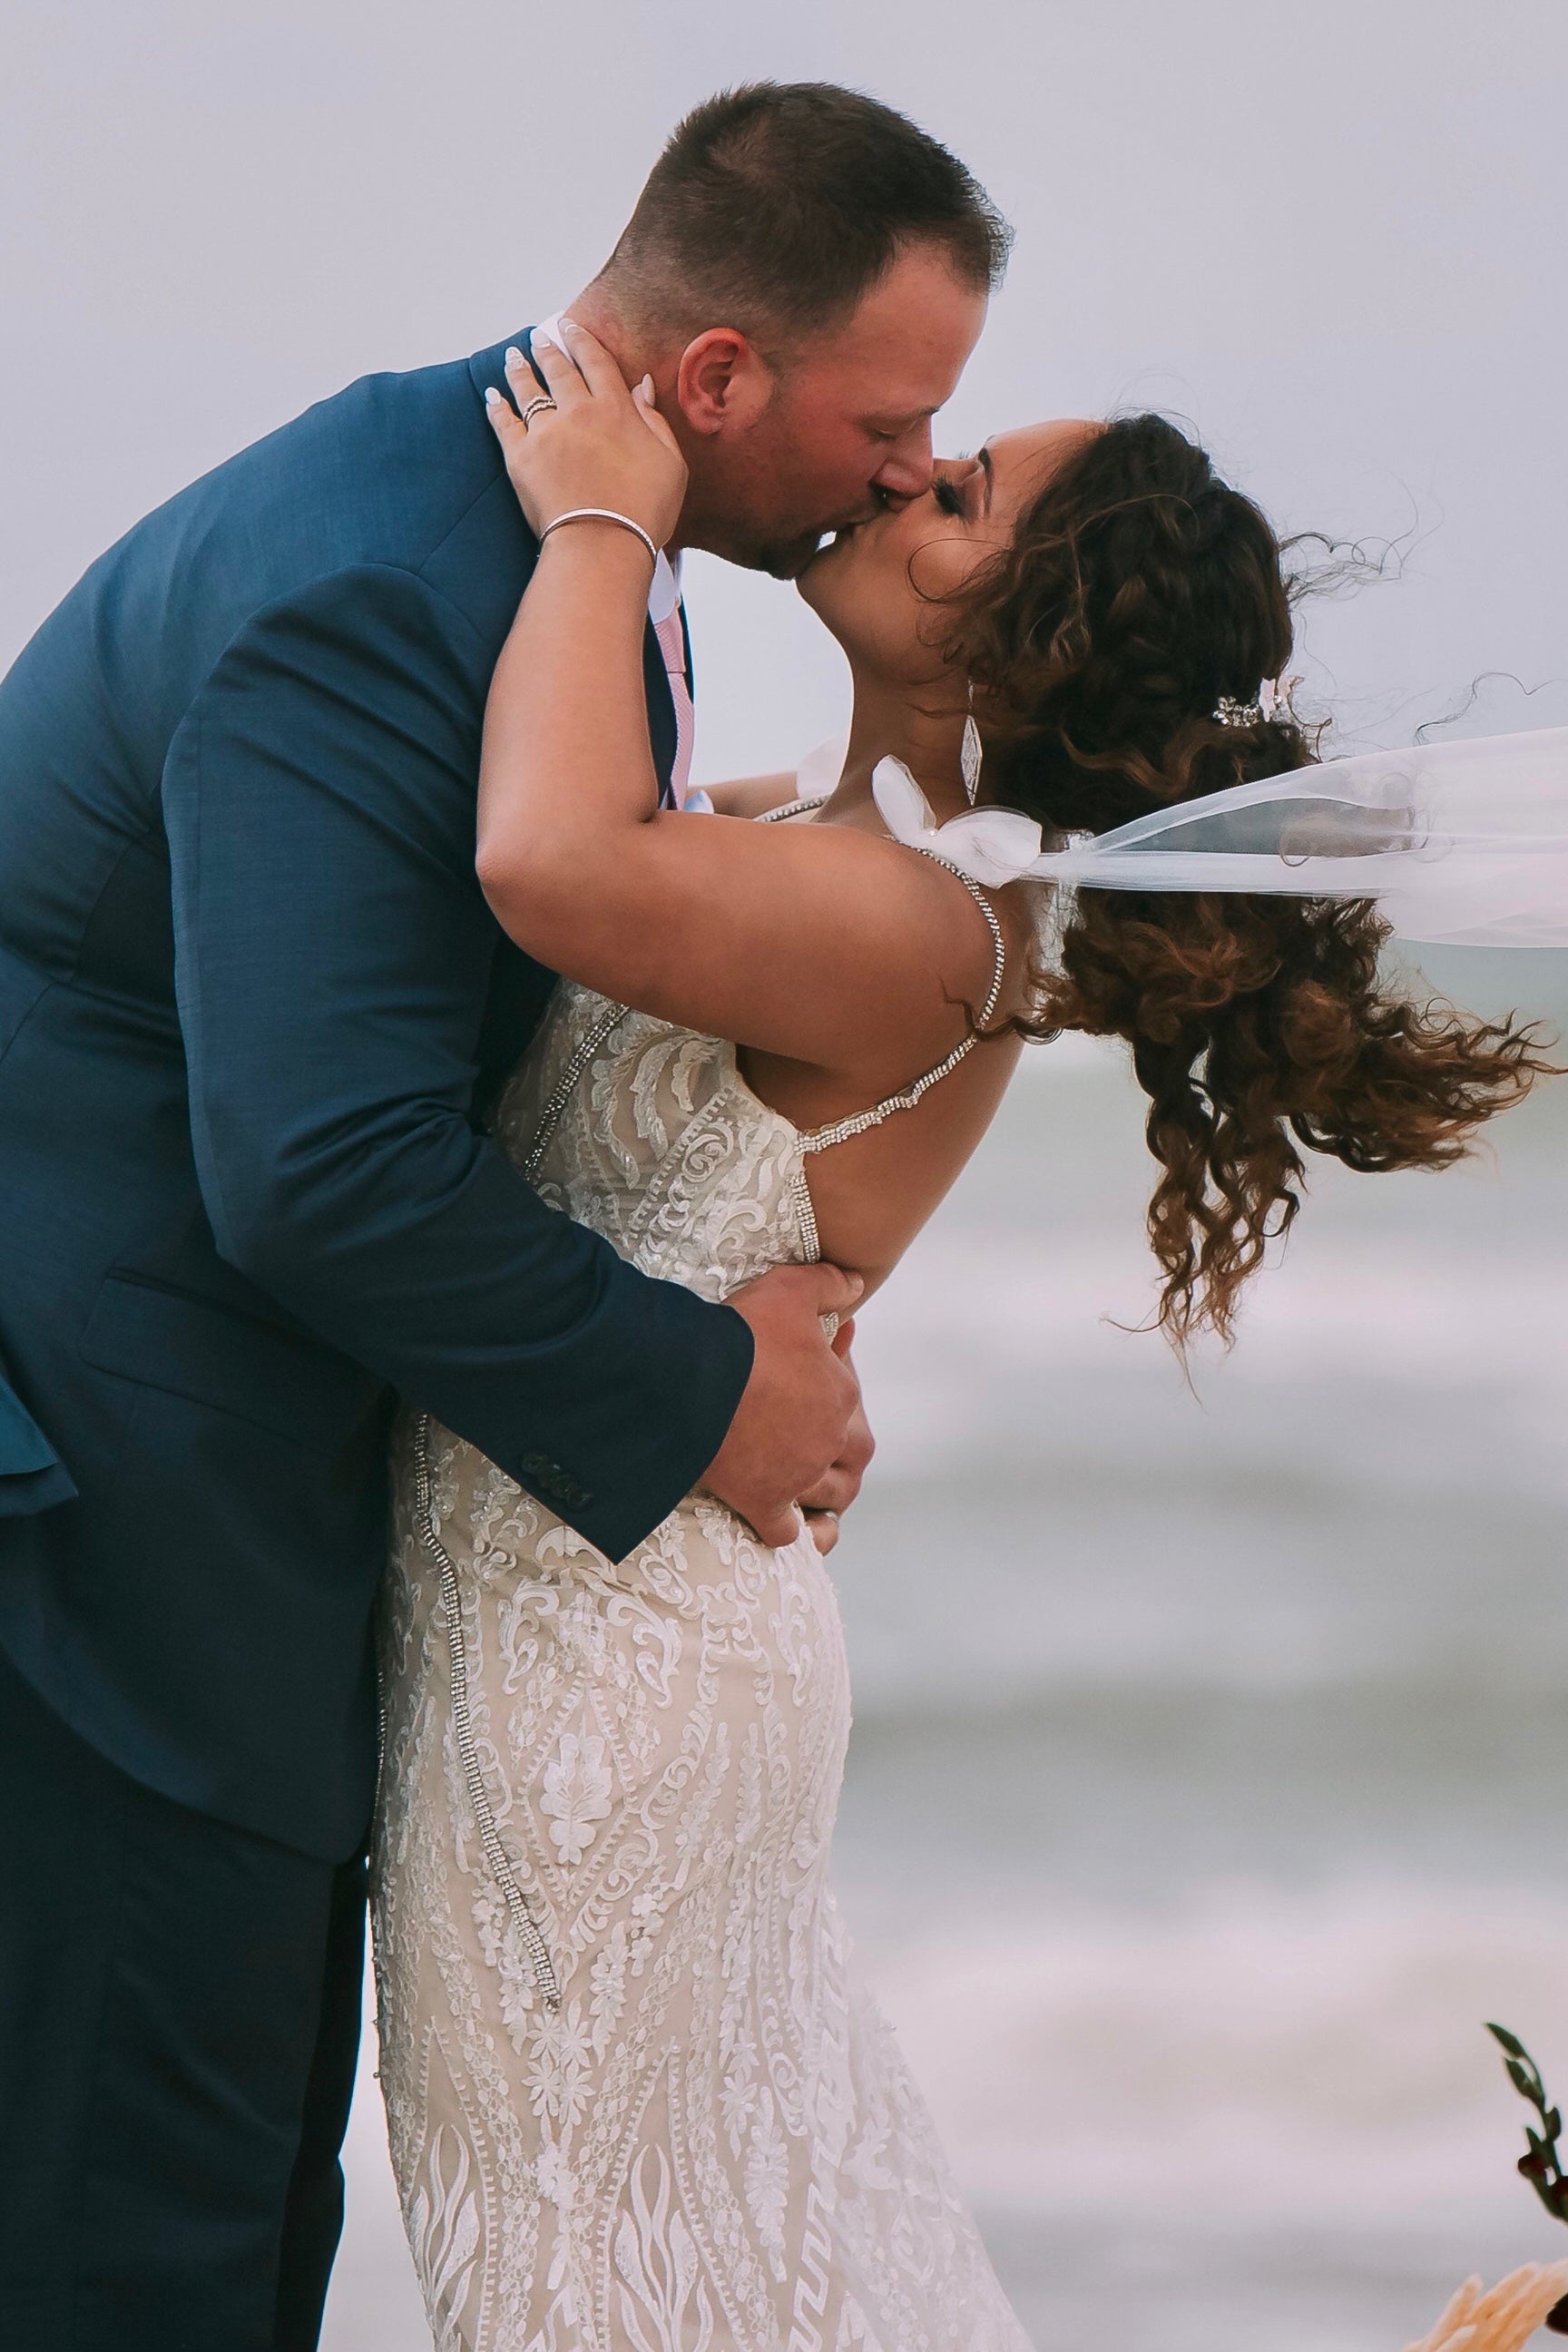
[
  {"x": 821, "y": 1504},
  {"x": 799, "y": 1437}
]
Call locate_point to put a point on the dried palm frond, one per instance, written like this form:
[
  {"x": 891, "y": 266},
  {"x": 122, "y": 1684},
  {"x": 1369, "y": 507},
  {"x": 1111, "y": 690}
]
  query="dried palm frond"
[{"x": 1503, "y": 2320}]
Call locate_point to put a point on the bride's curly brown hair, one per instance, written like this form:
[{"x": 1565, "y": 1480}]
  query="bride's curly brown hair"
[{"x": 1138, "y": 588}]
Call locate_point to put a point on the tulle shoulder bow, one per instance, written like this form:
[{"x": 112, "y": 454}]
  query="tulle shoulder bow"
[{"x": 992, "y": 846}]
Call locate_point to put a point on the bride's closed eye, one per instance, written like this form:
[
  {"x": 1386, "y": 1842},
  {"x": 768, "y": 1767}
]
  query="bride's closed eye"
[{"x": 965, "y": 494}]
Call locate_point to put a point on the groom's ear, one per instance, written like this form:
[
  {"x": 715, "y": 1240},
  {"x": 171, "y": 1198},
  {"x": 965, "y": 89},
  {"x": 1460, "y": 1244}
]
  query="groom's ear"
[{"x": 722, "y": 382}]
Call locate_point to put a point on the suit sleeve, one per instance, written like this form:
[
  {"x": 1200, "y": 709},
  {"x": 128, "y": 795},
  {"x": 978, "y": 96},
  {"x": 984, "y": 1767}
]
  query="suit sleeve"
[{"x": 332, "y": 954}]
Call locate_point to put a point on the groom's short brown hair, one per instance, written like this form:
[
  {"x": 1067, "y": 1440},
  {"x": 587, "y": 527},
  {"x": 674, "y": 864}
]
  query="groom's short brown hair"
[{"x": 778, "y": 205}]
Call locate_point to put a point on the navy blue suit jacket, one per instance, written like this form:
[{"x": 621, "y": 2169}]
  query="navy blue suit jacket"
[{"x": 253, "y": 1010}]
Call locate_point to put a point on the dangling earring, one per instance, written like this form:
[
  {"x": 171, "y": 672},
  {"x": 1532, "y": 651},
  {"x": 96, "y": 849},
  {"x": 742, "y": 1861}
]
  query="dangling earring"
[{"x": 969, "y": 759}]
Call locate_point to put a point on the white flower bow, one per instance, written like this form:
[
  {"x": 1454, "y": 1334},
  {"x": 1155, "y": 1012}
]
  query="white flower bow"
[{"x": 992, "y": 845}]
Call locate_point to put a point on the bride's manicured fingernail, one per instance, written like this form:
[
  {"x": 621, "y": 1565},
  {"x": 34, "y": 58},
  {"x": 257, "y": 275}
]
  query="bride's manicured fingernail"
[
  {"x": 492, "y": 397},
  {"x": 513, "y": 356},
  {"x": 543, "y": 343}
]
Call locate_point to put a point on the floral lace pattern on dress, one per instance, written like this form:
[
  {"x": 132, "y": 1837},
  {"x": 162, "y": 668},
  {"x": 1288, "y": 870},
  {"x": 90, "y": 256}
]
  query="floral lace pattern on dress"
[{"x": 711, "y": 2144}]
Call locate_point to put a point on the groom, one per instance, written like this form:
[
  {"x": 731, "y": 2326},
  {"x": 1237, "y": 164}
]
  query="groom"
[{"x": 253, "y": 1013}]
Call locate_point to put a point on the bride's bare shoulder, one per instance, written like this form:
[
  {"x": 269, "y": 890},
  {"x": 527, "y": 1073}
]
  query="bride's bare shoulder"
[{"x": 755, "y": 795}]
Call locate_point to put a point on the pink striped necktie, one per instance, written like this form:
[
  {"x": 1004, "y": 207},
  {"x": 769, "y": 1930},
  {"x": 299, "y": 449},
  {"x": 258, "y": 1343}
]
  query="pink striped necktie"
[{"x": 672, "y": 645}]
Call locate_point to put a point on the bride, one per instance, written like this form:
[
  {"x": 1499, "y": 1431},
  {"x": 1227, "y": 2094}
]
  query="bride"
[{"x": 638, "y": 2099}]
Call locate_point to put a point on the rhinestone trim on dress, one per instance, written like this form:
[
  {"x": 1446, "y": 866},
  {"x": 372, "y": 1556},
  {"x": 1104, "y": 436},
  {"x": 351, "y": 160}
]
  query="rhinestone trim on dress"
[
  {"x": 800, "y": 1194},
  {"x": 496, "y": 1855},
  {"x": 823, "y": 1138},
  {"x": 566, "y": 1086},
  {"x": 790, "y": 808}
]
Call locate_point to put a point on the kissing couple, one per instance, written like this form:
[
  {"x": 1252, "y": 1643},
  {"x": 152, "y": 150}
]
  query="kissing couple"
[{"x": 402, "y": 1065}]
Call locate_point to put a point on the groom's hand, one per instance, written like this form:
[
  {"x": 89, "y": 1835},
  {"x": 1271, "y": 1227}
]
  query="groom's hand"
[
  {"x": 798, "y": 1431},
  {"x": 822, "y": 1504}
]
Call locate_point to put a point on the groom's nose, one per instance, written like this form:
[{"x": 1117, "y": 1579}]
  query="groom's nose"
[{"x": 907, "y": 470}]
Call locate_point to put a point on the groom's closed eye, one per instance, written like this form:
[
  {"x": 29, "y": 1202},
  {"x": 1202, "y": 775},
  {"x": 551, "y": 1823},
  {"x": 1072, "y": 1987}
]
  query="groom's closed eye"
[{"x": 890, "y": 431}]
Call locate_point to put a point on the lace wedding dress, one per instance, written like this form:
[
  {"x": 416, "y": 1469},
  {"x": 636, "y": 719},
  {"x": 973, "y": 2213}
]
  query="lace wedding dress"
[{"x": 637, "y": 2100}]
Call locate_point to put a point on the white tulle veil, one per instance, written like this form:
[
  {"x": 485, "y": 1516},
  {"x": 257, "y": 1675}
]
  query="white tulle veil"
[{"x": 1463, "y": 843}]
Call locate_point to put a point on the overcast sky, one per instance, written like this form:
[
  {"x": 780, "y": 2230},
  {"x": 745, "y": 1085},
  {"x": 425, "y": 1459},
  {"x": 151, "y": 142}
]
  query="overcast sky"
[{"x": 1330, "y": 235}]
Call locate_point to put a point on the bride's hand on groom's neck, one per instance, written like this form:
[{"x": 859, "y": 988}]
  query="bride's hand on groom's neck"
[{"x": 601, "y": 444}]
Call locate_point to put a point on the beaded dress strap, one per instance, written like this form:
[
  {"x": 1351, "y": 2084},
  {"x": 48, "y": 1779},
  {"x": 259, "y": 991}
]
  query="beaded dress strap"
[
  {"x": 791, "y": 808},
  {"x": 823, "y": 1138},
  {"x": 860, "y": 1122}
]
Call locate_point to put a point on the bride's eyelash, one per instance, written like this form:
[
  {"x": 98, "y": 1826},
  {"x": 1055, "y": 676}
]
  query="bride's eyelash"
[{"x": 948, "y": 496}]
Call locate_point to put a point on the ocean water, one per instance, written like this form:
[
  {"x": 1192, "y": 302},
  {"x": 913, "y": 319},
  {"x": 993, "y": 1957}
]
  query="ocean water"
[{"x": 1206, "y": 1788}]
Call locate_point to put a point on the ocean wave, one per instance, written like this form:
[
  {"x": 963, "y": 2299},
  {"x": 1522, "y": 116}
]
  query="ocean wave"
[{"x": 1251, "y": 2056}]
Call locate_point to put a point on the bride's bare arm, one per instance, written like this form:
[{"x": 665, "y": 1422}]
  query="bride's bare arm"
[{"x": 826, "y": 945}]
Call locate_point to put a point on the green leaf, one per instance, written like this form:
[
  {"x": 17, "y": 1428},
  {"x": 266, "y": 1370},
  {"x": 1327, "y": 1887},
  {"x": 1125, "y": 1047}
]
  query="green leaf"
[{"x": 1542, "y": 2168}]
